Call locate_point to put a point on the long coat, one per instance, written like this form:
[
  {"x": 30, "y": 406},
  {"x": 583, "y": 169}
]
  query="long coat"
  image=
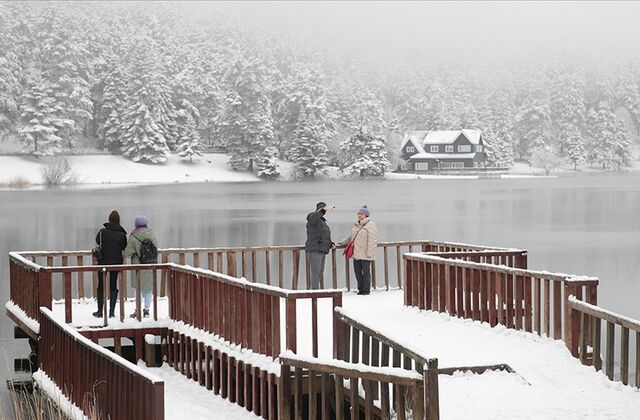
[
  {"x": 318, "y": 233},
  {"x": 133, "y": 251},
  {"x": 113, "y": 239},
  {"x": 365, "y": 243}
]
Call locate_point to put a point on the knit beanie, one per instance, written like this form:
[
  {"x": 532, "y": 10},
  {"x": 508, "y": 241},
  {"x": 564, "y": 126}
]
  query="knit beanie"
[
  {"x": 141, "y": 221},
  {"x": 364, "y": 210}
]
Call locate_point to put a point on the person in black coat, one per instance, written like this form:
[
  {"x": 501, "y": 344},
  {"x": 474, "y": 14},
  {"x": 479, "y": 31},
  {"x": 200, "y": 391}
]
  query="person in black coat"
[
  {"x": 318, "y": 242},
  {"x": 112, "y": 239}
]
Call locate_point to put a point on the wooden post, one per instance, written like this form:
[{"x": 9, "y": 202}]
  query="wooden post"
[
  {"x": 571, "y": 319},
  {"x": 610, "y": 346},
  {"x": 624, "y": 356},
  {"x": 432, "y": 392}
]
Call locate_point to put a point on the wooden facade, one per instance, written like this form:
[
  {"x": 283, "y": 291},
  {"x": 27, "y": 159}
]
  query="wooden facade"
[{"x": 443, "y": 150}]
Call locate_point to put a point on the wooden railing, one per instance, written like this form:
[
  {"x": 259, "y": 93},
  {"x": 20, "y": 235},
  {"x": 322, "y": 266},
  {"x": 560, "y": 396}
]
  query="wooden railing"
[
  {"x": 533, "y": 301},
  {"x": 511, "y": 258},
  {"x": 283, "y": 266},
  {"x": 586, "y": 324},
  {"x": 244, "y": 313},
  {"x": 361, "y": 344},
  {"x": 93, "y": 378},
  {"x": 29, "y": 288},
  {"x": 325, "y": 382}
]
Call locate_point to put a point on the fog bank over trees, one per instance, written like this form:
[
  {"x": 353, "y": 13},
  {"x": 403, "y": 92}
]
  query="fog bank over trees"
[{"x": 313, "y": 83}]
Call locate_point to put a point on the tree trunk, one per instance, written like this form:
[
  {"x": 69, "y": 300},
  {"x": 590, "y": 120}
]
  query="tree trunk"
[{"x": 35, "y": 142}]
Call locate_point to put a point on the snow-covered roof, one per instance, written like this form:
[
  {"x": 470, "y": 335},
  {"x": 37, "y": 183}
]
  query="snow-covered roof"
[
  {"x": 443, "y": 156},
  {"x": 423, "y": 138},
  {"x": 448, "y": 137},
  {"x": 415, "y": 137}
]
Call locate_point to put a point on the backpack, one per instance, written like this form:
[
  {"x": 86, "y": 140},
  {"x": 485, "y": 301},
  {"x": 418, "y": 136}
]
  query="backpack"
[{"x": 148, "y": 251}]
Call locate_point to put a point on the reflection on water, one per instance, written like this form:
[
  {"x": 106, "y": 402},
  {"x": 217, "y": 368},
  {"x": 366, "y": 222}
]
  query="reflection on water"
[{"x": 582, "y": 225}]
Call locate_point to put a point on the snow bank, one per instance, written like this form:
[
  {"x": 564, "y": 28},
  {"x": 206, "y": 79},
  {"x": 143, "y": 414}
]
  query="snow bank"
[
  {"x": 56, "y": 395},
  {"x": 112, "y": 169}
]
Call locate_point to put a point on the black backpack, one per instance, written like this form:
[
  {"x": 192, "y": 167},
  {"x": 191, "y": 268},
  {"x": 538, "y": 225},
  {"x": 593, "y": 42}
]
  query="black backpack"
[{"x": 148, "y": 252}]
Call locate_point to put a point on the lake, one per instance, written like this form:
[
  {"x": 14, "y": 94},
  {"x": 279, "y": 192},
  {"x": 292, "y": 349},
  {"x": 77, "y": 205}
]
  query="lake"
[{"x": 579, "y": 225}]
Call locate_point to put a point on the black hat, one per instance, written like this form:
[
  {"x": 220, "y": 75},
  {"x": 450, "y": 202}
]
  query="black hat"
[{"x": 320, "y": 205}]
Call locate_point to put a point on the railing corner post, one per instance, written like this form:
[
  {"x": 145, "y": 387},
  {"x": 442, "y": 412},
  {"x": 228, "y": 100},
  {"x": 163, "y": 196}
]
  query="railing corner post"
[
  {"x": 432, "y": 397},
  {"x": 45, "y": 296},
  {"x": 571, "y": 320}
]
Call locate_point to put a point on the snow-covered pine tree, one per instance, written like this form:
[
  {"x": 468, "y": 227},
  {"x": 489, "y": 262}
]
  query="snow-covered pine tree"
[
  {"x": 623, "y": 151},
  {"x": 39, "y": 119},
  {"x": 574, "y": 144},
  {"x": 189, "y": 144},
  {"x": 9, "y": 90},
  {"x": 111, "y": 109},
  {"x": 531, "y": 122},
  {"x": 143, "y": 140},
  {"x": 603, "y": 128},
  {"x": 309, "y": 151},
  {"x": 568, "y": 111},
  {"x": 364, "y": 155},
  {"x": 66, "y": 73},
  {"x": 497, "y": 130}
]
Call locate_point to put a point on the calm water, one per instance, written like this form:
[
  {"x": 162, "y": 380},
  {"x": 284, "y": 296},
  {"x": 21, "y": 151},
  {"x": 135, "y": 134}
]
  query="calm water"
[{"x": 583, "y": 225}]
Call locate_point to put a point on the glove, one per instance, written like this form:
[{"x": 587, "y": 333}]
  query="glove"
[{"x": 329, "y": 208}]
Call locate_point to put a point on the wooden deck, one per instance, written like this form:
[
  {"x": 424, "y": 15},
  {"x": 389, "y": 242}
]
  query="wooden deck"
[{"x": 224, "y": 316}]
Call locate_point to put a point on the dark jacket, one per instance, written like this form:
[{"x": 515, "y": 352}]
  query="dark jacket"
[
  {"x": 318, "y": 233},
  {"x": 114, "y": 241}
]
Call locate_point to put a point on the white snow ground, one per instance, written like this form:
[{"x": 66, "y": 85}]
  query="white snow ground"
[
  {"x": 186, "y": 399},
  {"x": 549, "y": 384},
  {"x": 111, "y": 169}
]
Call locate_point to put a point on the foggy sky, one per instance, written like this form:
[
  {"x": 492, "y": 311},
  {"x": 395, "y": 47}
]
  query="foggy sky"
[{"x": 473, "y": 29}]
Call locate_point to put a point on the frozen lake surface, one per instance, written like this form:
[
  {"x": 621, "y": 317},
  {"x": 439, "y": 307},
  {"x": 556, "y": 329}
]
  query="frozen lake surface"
[{"x": 580, "y": 225}]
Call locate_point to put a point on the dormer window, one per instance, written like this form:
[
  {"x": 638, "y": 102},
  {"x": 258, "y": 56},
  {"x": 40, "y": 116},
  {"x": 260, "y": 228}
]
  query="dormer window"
[
  {"x": 434, "y": 149},
  {"x": 411, "y": 149},
  {"x": 464, "y": 148},
  {"x": 448, "y": 149}
]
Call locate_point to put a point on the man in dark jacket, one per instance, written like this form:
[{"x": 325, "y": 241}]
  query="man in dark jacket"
[
  {"x": 318, "y": 242},
  {"x": 112, "y": 239}
]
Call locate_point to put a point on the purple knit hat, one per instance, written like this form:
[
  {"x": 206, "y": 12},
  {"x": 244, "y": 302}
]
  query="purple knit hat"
[{"x": 141, "y": 222}]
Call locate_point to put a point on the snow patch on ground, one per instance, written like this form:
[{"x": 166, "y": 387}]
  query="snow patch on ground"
[{"x": 186, "y": 399}]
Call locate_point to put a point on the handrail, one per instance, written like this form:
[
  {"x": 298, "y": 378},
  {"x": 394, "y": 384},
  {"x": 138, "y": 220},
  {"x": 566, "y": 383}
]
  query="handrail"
[
  {"x": 576, "y": 279},
  {"x": 604, "y": 314},
  {"x": 339, "y": 367},
  {"x": 343, "y": 316},
  {"x": 104, "y": 375}
]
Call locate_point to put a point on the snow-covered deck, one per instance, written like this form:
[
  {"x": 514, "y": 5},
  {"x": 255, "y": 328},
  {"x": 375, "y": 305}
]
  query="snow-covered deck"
[
  {"x": 186, "y": 399},
  {"x": 549, "y": 383}
]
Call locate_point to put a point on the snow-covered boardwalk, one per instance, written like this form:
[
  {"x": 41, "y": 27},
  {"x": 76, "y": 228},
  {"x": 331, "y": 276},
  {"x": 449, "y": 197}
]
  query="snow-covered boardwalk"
[
  {"x": 186, "y": 399},
  {"x": 549, "y": 382}
]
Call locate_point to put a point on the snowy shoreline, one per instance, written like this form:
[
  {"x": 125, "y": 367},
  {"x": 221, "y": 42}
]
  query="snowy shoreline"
[{"x": 112, "y": 171}]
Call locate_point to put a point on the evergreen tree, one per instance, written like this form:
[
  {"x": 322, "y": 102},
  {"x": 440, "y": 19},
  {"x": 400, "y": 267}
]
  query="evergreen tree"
[
  {"x": 575, "y": 145},
  {"x": 364, "y": 155},
  {"x": 531, "y": 122},
  {"x": 143, "y": 140},
  {"x": 110, "y": 110},
  {"x": 497, "y": 130},
  {"x": 189, "y": 144},
  {"x": 309, "y": 152},
  {"x": 39, "y": 121},
  {"x": 9, "y": 90},
  {"x": 609, "y": 141}
]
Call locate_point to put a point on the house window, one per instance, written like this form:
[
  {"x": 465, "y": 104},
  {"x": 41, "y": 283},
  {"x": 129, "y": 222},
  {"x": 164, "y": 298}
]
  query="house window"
[
  {"x": 411, "y": 149},
  {"x": 448, "y": 149},
  {"x": 457, "y": 165},
  {"x": 434, "y": 149},
  {"x": 479, "y": 148},
  {"x": 422, "y": 166},
  {"x": 464, "y": 148},
  {"x": 445, "y": 165}
]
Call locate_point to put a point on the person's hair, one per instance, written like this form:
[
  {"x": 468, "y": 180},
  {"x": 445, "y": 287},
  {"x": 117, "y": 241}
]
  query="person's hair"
[{"x": 114, "y": 217}]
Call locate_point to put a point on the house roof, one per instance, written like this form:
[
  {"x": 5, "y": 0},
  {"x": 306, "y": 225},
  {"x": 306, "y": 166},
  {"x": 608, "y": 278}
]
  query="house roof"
[
  {"x": 448, "y": 137},
  {"x": 423, "y": 138},
  {"x": 416, "y": 137},
  {"x": 443, "y": 156}
]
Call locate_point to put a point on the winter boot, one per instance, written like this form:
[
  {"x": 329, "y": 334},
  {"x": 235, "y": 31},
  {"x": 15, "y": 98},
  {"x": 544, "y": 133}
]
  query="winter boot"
[
  {"x": 113, "y": 299},
  {"x": 100, "y": 299},
  {"x": 145, "y": 313}
]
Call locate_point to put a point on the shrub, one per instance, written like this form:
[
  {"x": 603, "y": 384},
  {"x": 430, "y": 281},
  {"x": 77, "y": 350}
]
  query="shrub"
[{"x": 58, "y": 171}]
